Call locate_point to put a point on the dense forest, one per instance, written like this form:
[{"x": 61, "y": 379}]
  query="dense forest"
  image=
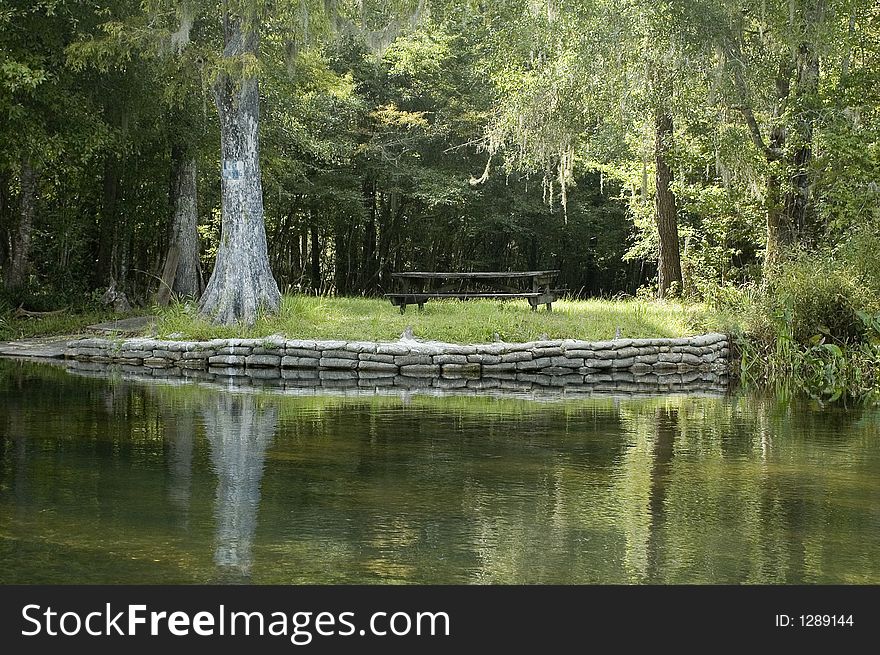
[{"x": 239, "y": 149}]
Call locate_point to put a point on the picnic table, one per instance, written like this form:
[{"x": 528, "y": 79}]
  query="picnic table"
[{"x": 414, "y": 288}]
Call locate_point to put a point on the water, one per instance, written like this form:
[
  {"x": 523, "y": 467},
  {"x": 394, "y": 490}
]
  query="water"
[{"x": 106, "y": 480}]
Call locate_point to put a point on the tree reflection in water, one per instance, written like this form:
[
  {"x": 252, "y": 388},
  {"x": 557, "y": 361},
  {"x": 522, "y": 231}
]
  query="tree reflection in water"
[
  {"x": 180, "y": 429},
  {"x": 239, "y": 429}
]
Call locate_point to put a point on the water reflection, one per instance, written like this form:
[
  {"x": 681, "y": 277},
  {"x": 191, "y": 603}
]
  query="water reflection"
[
  {"x": 117, "y": 480},
  {"x": 180, "y": 429},
  {"x": 239, "y": 429},
  {"x": 664, "y": 447}
]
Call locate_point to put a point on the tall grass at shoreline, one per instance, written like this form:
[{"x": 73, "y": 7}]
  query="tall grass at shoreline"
[{"x": 813, "y": 326}]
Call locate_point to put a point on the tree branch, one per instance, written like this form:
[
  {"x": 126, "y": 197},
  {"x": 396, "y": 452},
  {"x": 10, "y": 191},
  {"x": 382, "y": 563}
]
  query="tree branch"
[{"x": 771, "y": 154}]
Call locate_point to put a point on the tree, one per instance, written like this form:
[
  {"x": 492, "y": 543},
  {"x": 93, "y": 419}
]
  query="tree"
[
  {"x": 773, "y": 62},
  {"x": 182, "y": 265},
  {"x": 666, "y": 211},
  {"x": 560, "y": 92},
  {"x": 19, "y": 265},
  {"x": 620, "y": 140},
  {"x": 242, "y": 283},
  {"x": 48, "y": 115}
]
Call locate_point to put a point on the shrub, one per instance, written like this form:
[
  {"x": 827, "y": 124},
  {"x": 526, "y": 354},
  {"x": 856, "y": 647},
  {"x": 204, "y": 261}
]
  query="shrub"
[
  {"x": 812, "y": 296},
  {"x": 861, "y": 252},
  {"x": 814, "y": 326}
]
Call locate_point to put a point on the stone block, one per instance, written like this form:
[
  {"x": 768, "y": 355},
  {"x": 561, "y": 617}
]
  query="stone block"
[
  {"x": 264, "y": 361},
  {"x": 226, "y": 360},
  {"x": 337, "y": 363}
]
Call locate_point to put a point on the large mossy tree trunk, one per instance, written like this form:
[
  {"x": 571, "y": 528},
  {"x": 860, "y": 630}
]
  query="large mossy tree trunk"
[
  {"x": 184, "y": 245},
  {"x": 242, "y": 284},
  {"x": 19, "y": 264},
  {"x": 791, "y": 211},
  {"x": 666, "y": 210}
]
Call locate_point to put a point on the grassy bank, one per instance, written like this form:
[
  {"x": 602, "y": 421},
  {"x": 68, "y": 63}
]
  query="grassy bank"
[
  {"x": 816, "y": 338},
  {"x": 68, "y": 323},
  {"x": 311, "y": 317}
]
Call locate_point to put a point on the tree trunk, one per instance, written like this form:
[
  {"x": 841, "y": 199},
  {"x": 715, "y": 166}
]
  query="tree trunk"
[
  {"x": 316, "y": 260},
  {"x": 242, "y": 283},
  {"x": 780, "y": 235},
  {"x": 184, "y": 228},
  {"x": 369, "y": 267},
  {"x": 19, "y": 265},
  {"x": 5, "y": 246},
  {"x": 666, "y": 214},
  {"x": 104, "y": 270},
  {"x": 303, "y": 253},
  {"x": 798, "y": 206},
  {"x": 780, "y": 232},
  {"x": 341, "y": 245}
]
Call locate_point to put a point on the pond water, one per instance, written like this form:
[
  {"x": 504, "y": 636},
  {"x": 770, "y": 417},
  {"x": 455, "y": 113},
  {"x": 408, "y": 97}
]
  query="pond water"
[{"x": 114, "y": 480}]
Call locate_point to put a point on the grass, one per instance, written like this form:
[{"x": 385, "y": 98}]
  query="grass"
[
  {"x": 311, "y": 317},
  {"x": 12, "y": 328}
]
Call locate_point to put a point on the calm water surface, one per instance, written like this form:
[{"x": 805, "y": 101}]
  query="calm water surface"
[{"x": 111, "y": 481}]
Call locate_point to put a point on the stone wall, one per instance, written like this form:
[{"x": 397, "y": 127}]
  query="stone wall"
[{"x": 653, "y": 363}]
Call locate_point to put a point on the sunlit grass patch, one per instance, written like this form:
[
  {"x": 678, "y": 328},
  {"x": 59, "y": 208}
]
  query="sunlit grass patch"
[{"x": 311, "y": 317}]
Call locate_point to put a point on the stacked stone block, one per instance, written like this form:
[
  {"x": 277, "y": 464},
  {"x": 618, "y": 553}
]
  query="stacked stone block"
[{"x": 620, "y": 363}]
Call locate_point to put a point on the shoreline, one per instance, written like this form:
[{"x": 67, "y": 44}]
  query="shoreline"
[{"x": 647, "y": 364}]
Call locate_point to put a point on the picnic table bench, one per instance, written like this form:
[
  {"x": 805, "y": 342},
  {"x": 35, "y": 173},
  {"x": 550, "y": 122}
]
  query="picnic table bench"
[{"x": 534, "y": 286}]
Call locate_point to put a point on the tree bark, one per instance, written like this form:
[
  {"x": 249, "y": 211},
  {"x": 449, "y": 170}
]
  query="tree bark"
[
  {"x": 5, "y": 245},
  {"x": 369, "y": 266},
  {"x": 241, "y": 284},
  {"x": 105, "y": 268},
  {"x": 19, "y": 265},
  {"x": 666, "y": 211},
  {"x": 780, "y": 234},
  {"x": 187, "y": 282},
  {"x": 341, "y": 245},
  {"x": 303, "y": 253},
  {"x": 316, "y": 259},
  {"x": 780, "y": 231},
  {"x": 798, "y": 205}
]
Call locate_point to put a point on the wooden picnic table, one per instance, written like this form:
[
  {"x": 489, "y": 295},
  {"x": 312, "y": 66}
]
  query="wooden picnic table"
[{"x": 534, "y": 286}]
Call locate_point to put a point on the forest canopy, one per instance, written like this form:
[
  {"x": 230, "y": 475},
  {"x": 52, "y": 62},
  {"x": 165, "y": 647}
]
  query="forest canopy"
[{"x": 260, "y": 147}]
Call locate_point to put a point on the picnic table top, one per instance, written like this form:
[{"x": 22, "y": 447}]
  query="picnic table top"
[
  {"x": 463, "y": 295},
  {"x": 476, "y": 275}
]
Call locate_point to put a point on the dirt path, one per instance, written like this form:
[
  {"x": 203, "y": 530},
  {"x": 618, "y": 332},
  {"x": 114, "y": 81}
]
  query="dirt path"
[{"x": 134, "y": 325}]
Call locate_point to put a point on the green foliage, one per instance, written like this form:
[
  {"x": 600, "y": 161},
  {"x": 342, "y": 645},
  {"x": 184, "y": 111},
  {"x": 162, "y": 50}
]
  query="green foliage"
[
  {"x": 378, "y": 121},
  {"x": 859, "y": 250},
  {"x": 814, "y": 296},
  {"x": 815, "y": 325}
]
